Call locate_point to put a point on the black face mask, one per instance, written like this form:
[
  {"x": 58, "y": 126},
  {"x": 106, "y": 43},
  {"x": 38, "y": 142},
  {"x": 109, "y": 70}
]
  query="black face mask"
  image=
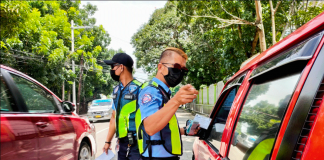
[
  {"x": 113, "y": 75},
  {"x": 174, "y": 77}
]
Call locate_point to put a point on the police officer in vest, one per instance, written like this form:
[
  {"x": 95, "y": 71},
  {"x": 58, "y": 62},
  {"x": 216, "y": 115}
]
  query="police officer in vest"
[
  {"x": 159, "y": 135},
  {"x": 122, "y": 121}
]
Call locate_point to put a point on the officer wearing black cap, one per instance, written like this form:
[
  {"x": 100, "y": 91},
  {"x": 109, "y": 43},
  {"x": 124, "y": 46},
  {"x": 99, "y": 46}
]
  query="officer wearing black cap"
[{"x": 122, "y": 121}]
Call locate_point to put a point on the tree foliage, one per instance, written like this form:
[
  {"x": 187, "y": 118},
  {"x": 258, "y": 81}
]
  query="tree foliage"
[
  {"x": 217, "y": 35},
  {"x": 263, "y": 116},
  {"x": 36, "y": 40}
]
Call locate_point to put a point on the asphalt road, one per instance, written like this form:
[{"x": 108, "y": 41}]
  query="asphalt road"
[{"x": 103, "y": 126}]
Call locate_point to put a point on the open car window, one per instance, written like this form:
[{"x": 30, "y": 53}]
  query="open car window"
[
  {"x": 220, "y": 113},
  {"x": 261, "y": 117},
  {"x": 272, "y": 86}
]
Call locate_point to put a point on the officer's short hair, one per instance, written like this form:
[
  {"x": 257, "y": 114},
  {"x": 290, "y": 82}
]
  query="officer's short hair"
[
  {"x": 130, "y": 69},
  {"x": 169, "y": 50}
]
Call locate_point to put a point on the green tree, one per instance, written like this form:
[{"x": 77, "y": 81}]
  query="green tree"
[
  {"x": 13, "y": 15},
  {"x": 217, "y": 35},
  {"x": 259, "y": 118},
  {"x": 36, "y": 39},
  {"x": 162, "y": 30}
]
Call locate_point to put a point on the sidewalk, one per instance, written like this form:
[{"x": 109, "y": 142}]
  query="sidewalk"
[{"x": 187, "y": 141}]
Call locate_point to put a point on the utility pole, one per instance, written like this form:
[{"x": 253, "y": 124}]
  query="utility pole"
[
  {"x": 80, "y": 82},
  {"x": 73, "y": 65},
  {"x": 63, "y": 91}
]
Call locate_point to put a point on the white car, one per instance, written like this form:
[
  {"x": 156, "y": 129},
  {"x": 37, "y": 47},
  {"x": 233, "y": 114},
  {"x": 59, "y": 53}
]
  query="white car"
[
  {"x": 246, "y": 140},
  {"x": 100, "y": 109}
]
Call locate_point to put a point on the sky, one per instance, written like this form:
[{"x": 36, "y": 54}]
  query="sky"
[{"x": 122, "y": 19}]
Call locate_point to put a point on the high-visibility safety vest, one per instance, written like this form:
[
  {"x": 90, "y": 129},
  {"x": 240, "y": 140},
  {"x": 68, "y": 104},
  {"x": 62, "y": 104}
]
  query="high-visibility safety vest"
[
  {"x": 170, "y": 134},
  {"x": 262, "y": 150},
  {"x": 125, "y": 103}
]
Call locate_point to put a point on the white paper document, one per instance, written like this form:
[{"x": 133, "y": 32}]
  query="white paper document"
[
  {"x": 203, "y": 121},
  {"x": 104, "y": 156}
]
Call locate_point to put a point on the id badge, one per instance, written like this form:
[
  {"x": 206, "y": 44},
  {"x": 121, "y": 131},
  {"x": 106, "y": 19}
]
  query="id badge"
[{"x": 129, "y": 96}]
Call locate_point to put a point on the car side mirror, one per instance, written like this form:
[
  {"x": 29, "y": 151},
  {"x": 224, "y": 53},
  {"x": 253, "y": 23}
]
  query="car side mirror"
[{"x": 68, "y": 107}]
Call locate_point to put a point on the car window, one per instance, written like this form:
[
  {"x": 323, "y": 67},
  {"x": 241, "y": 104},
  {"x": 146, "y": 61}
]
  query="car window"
[
  {"x": 101, "y": 104},
  {"x": 261, "y": 116},
  {"x": 37, "y": 99},
  {"x": 5, "y": 101},
  {"x": 220, "y": 119}
]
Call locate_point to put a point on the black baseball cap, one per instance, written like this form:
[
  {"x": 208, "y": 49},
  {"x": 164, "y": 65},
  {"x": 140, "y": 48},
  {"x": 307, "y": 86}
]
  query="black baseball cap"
[{"x": 121, "y": 58}]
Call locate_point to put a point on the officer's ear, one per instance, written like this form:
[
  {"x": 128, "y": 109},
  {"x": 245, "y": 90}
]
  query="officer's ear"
[
  {"x": 121, "y": 68},
  {"x": 160, "y": 67}
]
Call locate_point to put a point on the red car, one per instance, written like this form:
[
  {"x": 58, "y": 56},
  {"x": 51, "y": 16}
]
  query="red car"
[
  {"x": 36, "y": 124},
  {"x": 272, "y": 108}
]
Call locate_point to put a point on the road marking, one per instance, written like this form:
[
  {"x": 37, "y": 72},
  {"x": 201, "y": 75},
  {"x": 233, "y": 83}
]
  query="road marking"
[{"x": 102, "y": 130}]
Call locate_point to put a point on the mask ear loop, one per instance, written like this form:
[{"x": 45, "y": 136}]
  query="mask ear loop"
[{"x": 166, "y": 67}]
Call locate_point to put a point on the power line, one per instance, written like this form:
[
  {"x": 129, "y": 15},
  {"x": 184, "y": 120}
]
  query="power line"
[{"x": 120, "y": 39}]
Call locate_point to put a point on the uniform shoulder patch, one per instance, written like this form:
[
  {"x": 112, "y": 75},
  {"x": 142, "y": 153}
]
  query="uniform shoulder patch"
[{"x": 146, "y": 98}]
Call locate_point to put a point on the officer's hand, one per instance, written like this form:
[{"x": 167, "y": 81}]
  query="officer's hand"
[
  {"x": 106, "y": 147},
  {"x": 186, "y": 94}
]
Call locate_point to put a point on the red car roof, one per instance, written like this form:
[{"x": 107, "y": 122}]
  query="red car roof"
[{"x": 313, "y": 26}]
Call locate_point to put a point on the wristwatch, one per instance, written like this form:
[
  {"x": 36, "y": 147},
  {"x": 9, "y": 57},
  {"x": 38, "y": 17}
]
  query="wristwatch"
[{"x": 108, "y": 142}]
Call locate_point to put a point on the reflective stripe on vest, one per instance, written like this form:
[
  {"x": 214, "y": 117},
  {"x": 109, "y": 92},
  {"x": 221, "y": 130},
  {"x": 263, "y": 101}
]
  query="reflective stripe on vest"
[
  {"x": 123, "y": 121},
  {"x": 124, "y": 114},
  {"x": 175, "y": 136},
  {"x": 139, "y": 133},
  {"x": 170, "y": 134}
]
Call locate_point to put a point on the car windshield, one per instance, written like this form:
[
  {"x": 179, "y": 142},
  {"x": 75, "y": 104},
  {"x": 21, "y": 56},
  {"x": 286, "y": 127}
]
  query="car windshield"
[{"x": 98, "y": 103}]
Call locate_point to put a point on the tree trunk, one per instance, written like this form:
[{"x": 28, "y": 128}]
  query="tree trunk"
[
  {"x": 63, "y": 91},
  {"x": 94, "y": 94},
  {"x": 69, "y": 95},
  {"x": 283, "y": 32},
  {"x": 239, "y": 30},
  {"x": 254, "y": 42},
  {"x": 80, "y": 84},
  {"x": 259, "y": 23},
  {"x": 273, "y": 25}
]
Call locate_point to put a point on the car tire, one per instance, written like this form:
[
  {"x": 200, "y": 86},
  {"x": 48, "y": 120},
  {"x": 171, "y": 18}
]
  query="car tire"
[
  {"x": 84, "y": 152},
  {"x": 193, "y": 156}
]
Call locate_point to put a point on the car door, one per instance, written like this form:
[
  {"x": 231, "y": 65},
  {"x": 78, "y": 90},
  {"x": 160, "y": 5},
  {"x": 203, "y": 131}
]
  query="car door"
[
  {"x": 67, "y": 145},
  {"x": 53, "y": 128},
  {"x": 209, "y": 148},
  {"x": 272, "y": 85},
  {"x": 18, "y": 133},
  {"x": 261, "y": 116}
]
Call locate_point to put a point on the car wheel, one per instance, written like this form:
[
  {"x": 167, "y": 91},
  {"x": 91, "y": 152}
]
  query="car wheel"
[
  {"x": 85, "y": 151},
  {"x": 193, "y": 156}
]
